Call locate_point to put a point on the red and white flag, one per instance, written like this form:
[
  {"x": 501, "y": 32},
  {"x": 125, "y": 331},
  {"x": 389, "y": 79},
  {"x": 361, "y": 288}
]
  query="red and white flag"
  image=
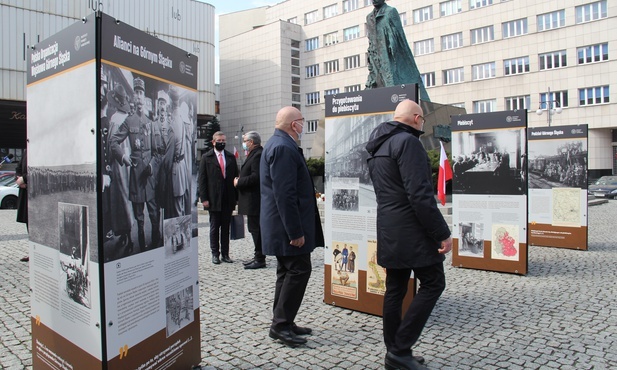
[
  {"x": 445, "y": 174},
  {"x": 236, "y": 154}
]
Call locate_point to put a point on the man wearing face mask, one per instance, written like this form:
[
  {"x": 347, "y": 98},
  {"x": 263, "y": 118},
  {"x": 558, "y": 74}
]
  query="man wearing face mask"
[
  {"x": 249, "y": 195},
  {"x": 217, "y": 171},
  {"x": 290, "y": 223}
]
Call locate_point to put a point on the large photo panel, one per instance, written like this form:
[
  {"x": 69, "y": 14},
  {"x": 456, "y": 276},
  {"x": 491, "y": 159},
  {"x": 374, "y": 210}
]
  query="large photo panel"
[
  {"x": 352, "y": 277},
  {"x": 558, "y": 158},
  {"x": 489, "y": 185},
  {"x": 147, "y": 162}
]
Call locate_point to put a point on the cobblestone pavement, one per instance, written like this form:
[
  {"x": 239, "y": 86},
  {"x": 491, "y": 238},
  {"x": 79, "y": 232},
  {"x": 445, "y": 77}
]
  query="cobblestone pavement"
[{"x": 562, "y": 315}]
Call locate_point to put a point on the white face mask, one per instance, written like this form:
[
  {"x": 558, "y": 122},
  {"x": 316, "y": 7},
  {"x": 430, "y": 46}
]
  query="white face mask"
[
  {"x": 244, "y": 146},
  {"x": 299, "y": 133}
]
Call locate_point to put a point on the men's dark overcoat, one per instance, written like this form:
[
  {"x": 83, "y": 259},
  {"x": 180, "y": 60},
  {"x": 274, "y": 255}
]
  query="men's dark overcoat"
[
  {"x": 211, "y": 181},
  {"x": 410, "y": 227},
  {"x": 249, "y": 196}
]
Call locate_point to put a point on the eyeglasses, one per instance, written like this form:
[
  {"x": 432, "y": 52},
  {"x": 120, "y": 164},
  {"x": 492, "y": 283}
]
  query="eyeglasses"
[
  {"x": 300, "y": 121},
  {"x": 423, "y": 120}
]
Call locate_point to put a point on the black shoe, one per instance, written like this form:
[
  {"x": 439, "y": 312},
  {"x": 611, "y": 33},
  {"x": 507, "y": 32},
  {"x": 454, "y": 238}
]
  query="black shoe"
[
  {"x": 420, "y": 359},
  {"x": 226, "y": 259},
  {"x": 246, "y": 263},
  {"x": 256, "y": 265},
  {"x": 407, "y": 362},
  {"x": 25, "y": 259},
  {"x": 216, "y": 260},
  {"x": 298, "y": 330},
  {"x": 287, "y": 337}
]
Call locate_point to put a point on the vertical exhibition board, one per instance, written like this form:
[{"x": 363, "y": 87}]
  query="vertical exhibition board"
[
  {"x": 148, "y": 217},
  {"x": 489, "y": 200},
  {"x": 558, "y": 186},
  {"x": 62, "y": 192},
  {"x": 352, "y": 277}
]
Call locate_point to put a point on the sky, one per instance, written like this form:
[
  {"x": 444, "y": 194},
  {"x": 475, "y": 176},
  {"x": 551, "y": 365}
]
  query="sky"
[{"x": 230, "y": 6}]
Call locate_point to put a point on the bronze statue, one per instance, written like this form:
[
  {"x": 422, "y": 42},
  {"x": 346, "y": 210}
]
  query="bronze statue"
[{"x": 390, "y": 61}]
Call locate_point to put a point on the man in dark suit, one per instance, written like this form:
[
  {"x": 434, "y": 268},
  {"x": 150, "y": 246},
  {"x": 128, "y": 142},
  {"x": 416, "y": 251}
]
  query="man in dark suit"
[
  {"x": 249, "y": 196},
  {"x": 290, "y": 224},
  {"x": 217, "y": 171}
]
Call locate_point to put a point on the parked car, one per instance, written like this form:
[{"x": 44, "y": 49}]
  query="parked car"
[
  {"x": 604, "y": 187},
  {"x": 7, "y": 178},
  {"x": 8, "y": 196}
]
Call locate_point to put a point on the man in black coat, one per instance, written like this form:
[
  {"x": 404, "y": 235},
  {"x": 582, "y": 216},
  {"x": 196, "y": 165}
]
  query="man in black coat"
[
  {"x": 412, "y": 235},
  {"x": 21, "y": 172},
  {"x": 217, "y": 171},
  {"x": 249, "y": 196}
]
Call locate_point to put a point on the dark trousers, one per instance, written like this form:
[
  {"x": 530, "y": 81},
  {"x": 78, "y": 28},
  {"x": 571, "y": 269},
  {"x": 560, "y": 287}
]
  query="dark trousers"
[
  {"x": 401, "y": 334},
  {"x": 292, "y": 276},
  {"x": 219, "y": 226},
  {"x": 254, "y": 229}
]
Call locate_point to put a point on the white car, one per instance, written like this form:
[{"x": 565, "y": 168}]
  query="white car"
[{"x": 8, "y": 196}]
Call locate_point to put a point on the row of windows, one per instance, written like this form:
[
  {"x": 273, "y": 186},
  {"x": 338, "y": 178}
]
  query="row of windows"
[
  {"x": 314, "y": 98},
  {"x": 331, "y": 11},
  {"x": 587, "y": 96},
  {"x": 331, "y": 38},
  {"x": 332, "y": 66},
  {"x": 514, "y": 66},
  {"x": 584, "y": 13}
]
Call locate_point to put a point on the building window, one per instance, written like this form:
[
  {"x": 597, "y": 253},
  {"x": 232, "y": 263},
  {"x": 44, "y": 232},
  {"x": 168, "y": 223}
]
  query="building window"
[
  {"x": 552, "y": 20},
  {"x": 450, "y": 7},
  {"x": 483, "y": 71},
  {"x": 592, "y": 54},
  {"x": 423, "y": 14},
  {"x": 331, "y": 66},
  {"x": 559, "y": 97},
  {"x": 352, "y": 62},
  {"x": 556, "y": 59},
  {"x": 312, "y": 98},
  {"x": 428, "y": 79},
  {"x": 353, "y": 88},
  {"x": 311, "y": 126},
  {"x": 515, "y": 66},
  {"x": 452, "y": 41},
  {"x": 403, "y": 18},
  {"x": 312, "y": 71},
  {"x": 475, "y": 4},
  {"x": 484, "y": 106},
  {"x": 591, "y": 12},
  {"x": 351, "y": 33},
  {"x": 330, "y": 92},
  {"x": 593, "y": 95},
  {"x": 293, "y": 20},
  {"x": 514, "y": 28},
  {"x": 312, "y": 44},
  {"x": 518, "y": 102},
  {"x": 424, "y": 47},
  {"x": 329, "y": 11},
  {"x": 483, "y": 34},
  {"x": 311, "y": 17},
  {"x": 295, "y": 98},
  {"x": 459, "y": 105},
  {"x": 330, "y": 38},
  {"x": 455, "y": 75},
  {"x": 350, "y": 5}
]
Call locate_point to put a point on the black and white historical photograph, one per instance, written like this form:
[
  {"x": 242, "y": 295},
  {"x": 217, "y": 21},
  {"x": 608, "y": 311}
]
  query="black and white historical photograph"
[
  {"x": 345, "y": 199},
  {"x": 471, "y": 240},
  {"x": 558, "y": 163},
  {"x": 177, "y": 235},
  {"x": 179, "y": 310},
  {"x": 489, "y": 162},
  {"x": 74, "y": 250},
  {"x": 147, "y": 158}
]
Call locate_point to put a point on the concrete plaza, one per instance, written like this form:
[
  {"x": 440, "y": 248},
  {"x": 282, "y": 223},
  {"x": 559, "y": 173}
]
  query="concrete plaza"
[{"x": 562, "y": 315}]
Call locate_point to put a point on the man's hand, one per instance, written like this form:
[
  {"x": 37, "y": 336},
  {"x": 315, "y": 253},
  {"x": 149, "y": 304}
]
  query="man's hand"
[
  {"x": 206, "y": 204},
  {"x": 20, "y": 182},
  {"x": 126, "y": 161},
  {"x": 446, "y": 246},
  {"x": 236, "y": 182},
  {"x": 106, "y": 181},
  {"x": 297, "y": 242}
]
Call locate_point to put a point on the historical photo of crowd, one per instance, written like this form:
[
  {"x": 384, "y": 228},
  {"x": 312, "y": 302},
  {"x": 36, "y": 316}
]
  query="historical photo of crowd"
[
  {"x": 147, "y": 158},
  {"x": 471, "y": 240},
  {"x": 558, "y": 163},
  {"x": 179, "y": 310},
  {"x": 74, "y": 250},
  {"x": 489, "y": 162}
]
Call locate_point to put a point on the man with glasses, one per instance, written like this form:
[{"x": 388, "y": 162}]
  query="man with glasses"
[
  {"x": 412, "y": 235},
  {"x": 290, "y": 223}
]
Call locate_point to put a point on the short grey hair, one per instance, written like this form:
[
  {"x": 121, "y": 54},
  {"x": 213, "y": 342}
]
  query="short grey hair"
[{"x": 253, "y": 136}]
